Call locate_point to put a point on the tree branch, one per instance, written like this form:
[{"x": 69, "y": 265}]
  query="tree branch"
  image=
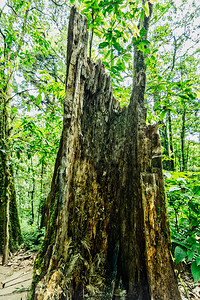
[
  {"x": 1, "y": 10},
  {"x": 3, "y": 35},
  {"x": 57, "y": 4},
  {"x": 174, "y": 55},
  {"x": 20, "y": 93}
]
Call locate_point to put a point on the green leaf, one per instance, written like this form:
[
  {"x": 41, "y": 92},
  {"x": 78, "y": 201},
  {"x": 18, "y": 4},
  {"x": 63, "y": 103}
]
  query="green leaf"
[
  {"x": 144, "y": 42},
  {"x": 168, "y": 175},
  {"x": 146, "y": 8},
  {"x": 156, "y": 105},
  {"x": 127, "y": 57},
  {"x": 182, "y": 179},
  {"x": 195, "y": 271},
  {"x": 142, "y": 15},
  {"x": 184, "y": 244},
  {"x": 180, "y": 253},
  {"x": 173, "y": 110},
  {"x": 143, "y": 32},
  {"x": 103, "y": 45},
  {"x": 162, "y": 115},
  {"x": 18, "y": 154},
  {"x": 117, "y": 46},
  {"x": 136, "y": 29},
  {"x": 190, "y": 254},
  {"x": 191, "y": 240},
  {"x": 184, "y": 96},
  {"x": 148, "y": 61},
  {"x": 38, "y": 99},
  {"x": 174, "y": 188},
  {"x": 198, "y": 261}
]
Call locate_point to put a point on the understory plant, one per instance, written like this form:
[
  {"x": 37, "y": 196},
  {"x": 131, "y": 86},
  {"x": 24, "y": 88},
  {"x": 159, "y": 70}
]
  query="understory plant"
[
  {"x": 183, "y": 194},
  {"x": 33, "y": 236}
]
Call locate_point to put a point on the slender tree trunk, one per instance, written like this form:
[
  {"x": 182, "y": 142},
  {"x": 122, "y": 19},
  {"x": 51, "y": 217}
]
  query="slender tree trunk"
[
  {"x": 187, "y": 156},
  {"x": 165, "y": 143},
  {"x": 92, "y": 35},
  {"x": 107, "y": 231},
  {"x": 184, "y": 167},
  {"x": 32, "y": 193},
  {"x": 42, "y": 208},
  {"x": 41, "y": 196},
  {"x": 9, "y": 222},
  {"x": 7, "y": 216},
  {"x": 163, "y": 134},
  {"x": 171, "y": 142},
  {"x": 4, "y": 203},
  {"x": 4, "y": 128},
  {"x": 15, "y": 231},
  {"x": 111, "y": 48}
]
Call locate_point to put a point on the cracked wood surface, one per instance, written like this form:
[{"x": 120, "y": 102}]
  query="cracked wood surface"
[{"x": 107, "y": 226}]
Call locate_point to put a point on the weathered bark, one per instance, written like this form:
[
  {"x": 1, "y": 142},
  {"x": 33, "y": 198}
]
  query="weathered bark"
[{"x": 107, "y": 230}]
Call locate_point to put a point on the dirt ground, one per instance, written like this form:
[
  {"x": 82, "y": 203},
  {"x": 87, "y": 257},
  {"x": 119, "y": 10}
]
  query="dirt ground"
[
  {"x": 16, "y": 277},
  {"x": 189, "y": 290}
]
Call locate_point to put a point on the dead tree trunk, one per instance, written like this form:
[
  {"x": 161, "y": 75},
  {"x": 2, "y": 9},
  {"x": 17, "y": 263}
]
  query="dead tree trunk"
[{"x": 107, "y": 232}]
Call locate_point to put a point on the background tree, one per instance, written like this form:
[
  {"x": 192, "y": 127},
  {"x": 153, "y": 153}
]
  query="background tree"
[
  {"x": 23, "y": 46},
  {"x": 9, "y": 52},
  {"x": 174, "y": 46}
]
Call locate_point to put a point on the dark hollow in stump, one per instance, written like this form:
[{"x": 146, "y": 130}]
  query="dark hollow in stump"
[{"x": 107, "y": 233}]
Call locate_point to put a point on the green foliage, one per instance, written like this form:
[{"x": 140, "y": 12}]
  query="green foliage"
[
  {"x": 32, "y": 55},
  {"x": 195, "y": 268},
  {"x": 180, "y": 253},
  {"x": 33, "y": 237},
  {"x": 183, "y": 193},
  {"x": 173, "y": 82}
]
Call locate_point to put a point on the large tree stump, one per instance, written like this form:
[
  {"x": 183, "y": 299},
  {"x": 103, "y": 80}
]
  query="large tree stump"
[{"x": 107, "y": 232}]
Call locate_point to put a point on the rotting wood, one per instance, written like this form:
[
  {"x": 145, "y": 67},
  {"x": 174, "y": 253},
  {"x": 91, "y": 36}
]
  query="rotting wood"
[{"x": 107, "y": 227}]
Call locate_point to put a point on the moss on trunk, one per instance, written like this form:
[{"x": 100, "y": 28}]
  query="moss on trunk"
[{"x": 9, "y": 222}]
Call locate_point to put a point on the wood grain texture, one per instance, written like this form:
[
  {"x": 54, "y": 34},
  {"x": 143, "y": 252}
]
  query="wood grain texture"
[{"x": 107, "y": 228}]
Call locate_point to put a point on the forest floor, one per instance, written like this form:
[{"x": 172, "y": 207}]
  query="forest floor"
[
  {"x": 16, "y": 277},
  {"x": 188, "y": 289}
]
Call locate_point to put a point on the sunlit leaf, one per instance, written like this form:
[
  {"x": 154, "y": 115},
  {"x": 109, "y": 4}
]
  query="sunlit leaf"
[
  {"x": 146, "y": 8},
  {"x": 162, "y": 115},
  {"x": 174, "y": 188}
]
